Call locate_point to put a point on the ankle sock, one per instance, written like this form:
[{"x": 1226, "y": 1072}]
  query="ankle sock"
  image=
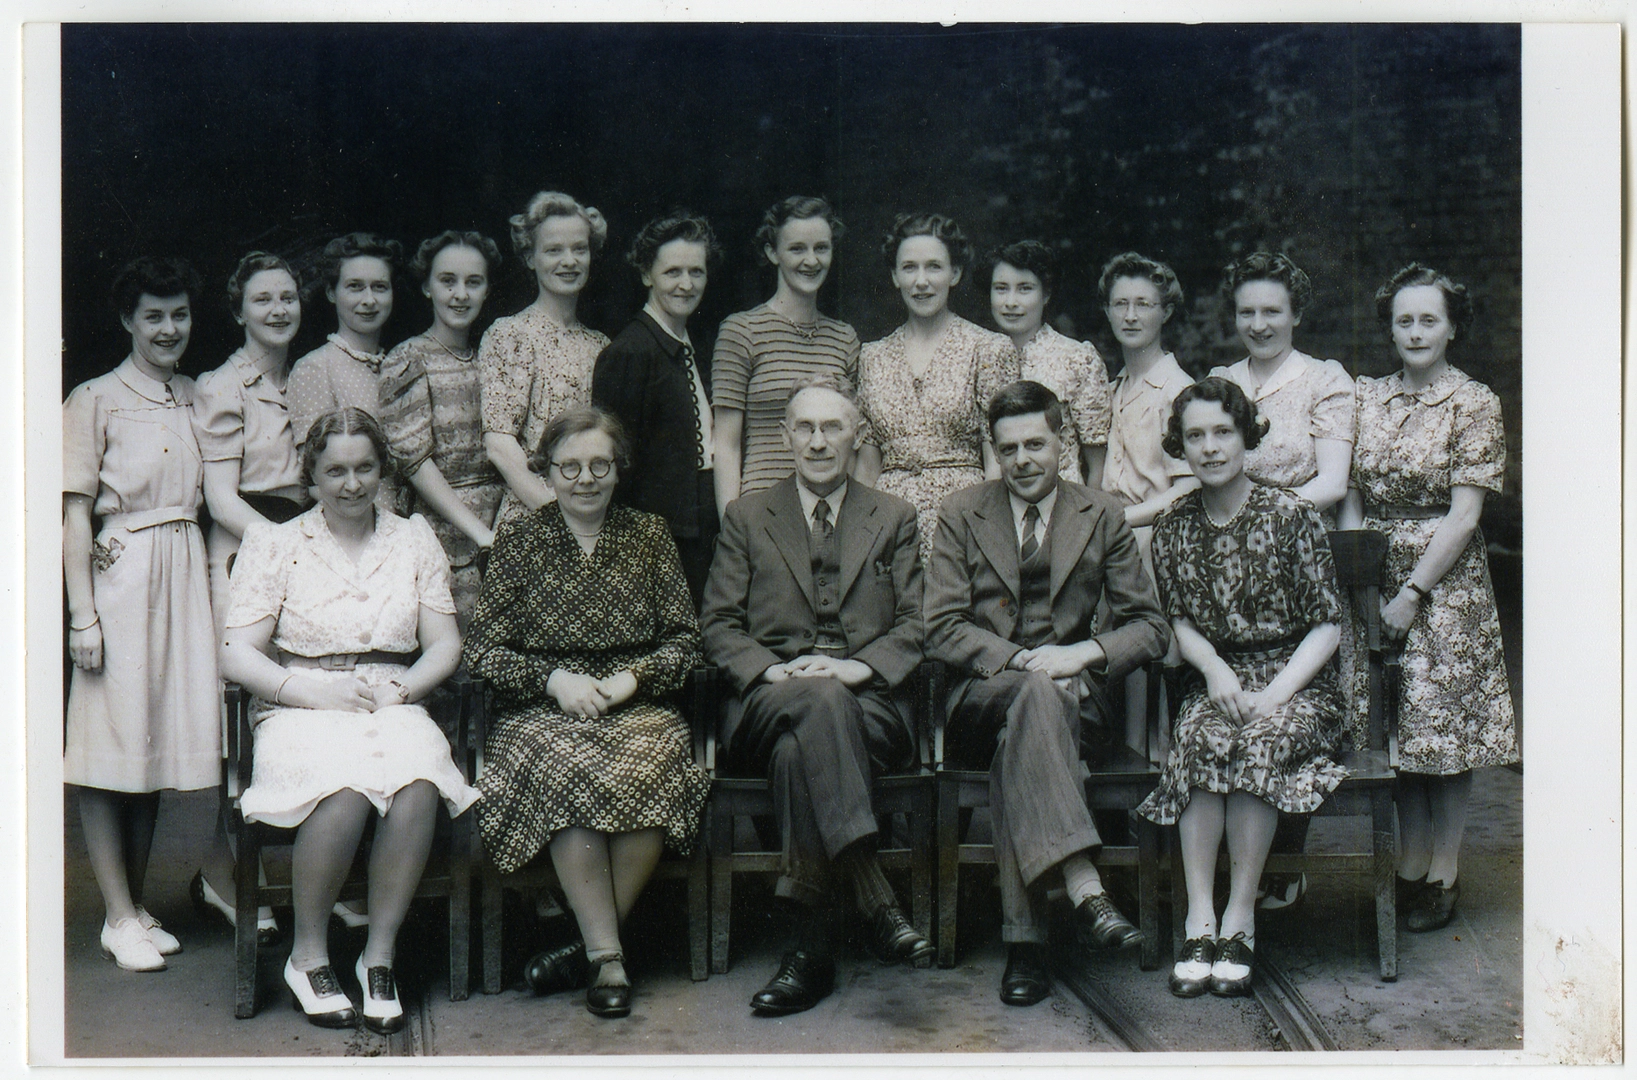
[{"x": 1080, "y": 879}]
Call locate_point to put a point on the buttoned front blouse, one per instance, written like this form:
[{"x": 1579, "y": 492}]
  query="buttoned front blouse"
[{"x": 240, "y": 414}]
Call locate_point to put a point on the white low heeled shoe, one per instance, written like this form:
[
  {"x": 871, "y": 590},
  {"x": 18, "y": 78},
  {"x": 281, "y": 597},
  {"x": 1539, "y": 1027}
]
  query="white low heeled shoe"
[
  {"x": 162, "y": 939},
  {"x": 207, "y": 898},
  {"x": 317, "y": 995},
  {"x": 383, "y": 1014},
  {"x": 127, "y": 944}
]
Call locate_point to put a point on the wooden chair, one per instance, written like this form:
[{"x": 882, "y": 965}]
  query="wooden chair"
[
  {"x": 1120, "y": 784},
  {"x": 449, "y": 876},
  {"x": 538, "y": 873},
  {"x": 909, "y": 793},
  {"x": 1371, "y": 772}
]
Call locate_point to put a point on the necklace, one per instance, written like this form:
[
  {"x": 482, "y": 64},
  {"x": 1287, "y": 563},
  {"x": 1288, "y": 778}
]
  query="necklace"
[
  {"x": 807, "y": 330},
  {"x": 465, "y": 357}
]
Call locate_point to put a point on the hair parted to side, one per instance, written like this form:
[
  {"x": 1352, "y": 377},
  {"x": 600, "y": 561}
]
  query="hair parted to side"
[
  {"x": 1030, "y": 255},
  {"x": 1457, "y": 304},
  {"x": 1130, "y": 264},
  {"x": 796, "y": 208},
  {"x": 155, "y": 276},
  {"x": 349, "y": 420},
  {"x": 1269, "y": 266},
  {"x": 252, "y": 264},
  {"x": 353, "y": 245},
  {"x": 420, "y": 267},
  {"x": 827, "y": 381},
  {"x": 1025, "y": 398},
  {"x": 550, "y": 204},
  {"x": 678, "y": 225},
  {"x": 1224, "y": 392},
  {"x": 574, "y": 421},
  {"x": 938, "y": 226}
]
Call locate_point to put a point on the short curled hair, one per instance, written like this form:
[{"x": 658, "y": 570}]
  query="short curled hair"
[
  {"x": 356, "y": 245},
  {"x": 1224, "y": 392},
  {"x": 421, "y": 265},
  {"x": 937, "y": 226},
  {"x": 1030, "y": 255},
  {"x": 1025, "y": 398},
  {"x": 679, "y": 225},
  {"x": 348, "y": 420},
  {"x": 550, "y": 204},
  {"x": 796, "y": 208},
  {"x": 1129, "y": 264},
  {"x": 830, "y": 381},
  {"x": 1269, "y": 266},
  {"x": 1457, "y": 304},
  {"x": 156, "y": 277},
  {"x": 574, "y": 421},
  {"x": 249, "y": 266}
]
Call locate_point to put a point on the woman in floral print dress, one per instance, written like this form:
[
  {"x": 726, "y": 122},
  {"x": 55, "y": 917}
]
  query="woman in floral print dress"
[
  {"x": 1430, "y": 445},
  {"x": 1245, "y": 573}
]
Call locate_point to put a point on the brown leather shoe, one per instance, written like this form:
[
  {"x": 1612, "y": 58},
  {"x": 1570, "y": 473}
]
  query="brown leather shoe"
[
  {"x": 1102, "y": 925},
  {"x": 896, "y": 941}
]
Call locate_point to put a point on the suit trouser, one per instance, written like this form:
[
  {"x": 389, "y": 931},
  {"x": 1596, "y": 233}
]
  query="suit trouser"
[
  {"x": 1028, "y": 730},
  {"x": 819, "y": 743}
]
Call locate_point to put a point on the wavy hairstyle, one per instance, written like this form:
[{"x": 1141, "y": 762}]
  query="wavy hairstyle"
[
  {"x": 572, "y": 422},
  {"x": 154, "y": 276},
  {"x": 1269, "y": 266},
  {"x": 354, "y": 245},
  {"x": 1224, "y": 392},
  {"x": 550, "y": 204},
  {"x": 796, "y": 208},
  {"x": 348, "y": 420},
  {"x": 421, "y": 265},
  {"x": 252, "y": 264},
  {"x": 1030, "y": 255},
  {"x": 938, "y": 226},
  {"x": 1129, "y": 264},
  {"x": 1457, "y": 304},
  {"x": 678, "y": 225}
]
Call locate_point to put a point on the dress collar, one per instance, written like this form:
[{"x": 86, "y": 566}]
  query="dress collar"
[
  {"x": 372, "y": 360},
  {"x": 1436, "y": 392},
  {"x": 160, "y": 393},
  {"x": 652, "y": 312},
  {"x": 1288, "y": 372},
  {"x": 1164, "y": 370}
]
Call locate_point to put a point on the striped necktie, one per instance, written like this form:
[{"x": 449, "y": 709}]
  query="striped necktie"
[{"x": 1031, "y": 525}]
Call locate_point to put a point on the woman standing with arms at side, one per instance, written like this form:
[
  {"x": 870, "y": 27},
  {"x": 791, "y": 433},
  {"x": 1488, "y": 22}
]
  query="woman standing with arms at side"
[
  {"x": 143, "y": 701},
  {"x": 1022, "y": 276},
  {"x": 432, "y": 407},
  {"x": 538, "y": 363},
  {"x": 1430, "y": 445},
  {"x": 761, "y": 353},
  {"x": 925, "y": 387}
]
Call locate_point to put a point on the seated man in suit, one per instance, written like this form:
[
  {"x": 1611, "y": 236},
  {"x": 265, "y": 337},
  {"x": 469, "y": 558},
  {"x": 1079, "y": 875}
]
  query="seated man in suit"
[
  {"x": 1018, "y": 567},
  {"x": 813, "y": 613}
]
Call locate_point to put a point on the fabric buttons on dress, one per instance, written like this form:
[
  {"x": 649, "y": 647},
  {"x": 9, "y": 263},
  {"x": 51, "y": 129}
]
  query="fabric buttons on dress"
[{"x": 364, "y": 638}]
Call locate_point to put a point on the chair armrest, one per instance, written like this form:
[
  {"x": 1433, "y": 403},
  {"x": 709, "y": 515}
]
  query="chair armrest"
[
  {"x": 471, "y": 721},
  {"x": 934, "y": 693},
  {"x": 1156, "y": 721},
  {"x": 704, "y": 708},
  {"x": 238, "y": 743}
]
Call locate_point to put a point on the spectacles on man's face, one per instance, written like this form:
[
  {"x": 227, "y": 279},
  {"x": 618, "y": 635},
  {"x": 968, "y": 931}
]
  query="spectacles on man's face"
[{"x": 570, "y": 470}]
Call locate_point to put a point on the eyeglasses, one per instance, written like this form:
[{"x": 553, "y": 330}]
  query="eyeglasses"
[
  {"x": 570, "y": 470},
  {"x": 1137, "y": 305}
]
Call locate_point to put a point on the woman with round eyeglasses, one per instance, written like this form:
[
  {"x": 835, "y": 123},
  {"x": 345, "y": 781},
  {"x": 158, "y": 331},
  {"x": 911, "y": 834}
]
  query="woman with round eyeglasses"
[
  {"x": 585, "y": 631},
  {"x": 1021, "y": 278},
  {"x": 1430, "y": 445},
  {"x": 538, "y": 363},
  {"x": 761, "y": 353},
  {"x": 431, "y": 407}
]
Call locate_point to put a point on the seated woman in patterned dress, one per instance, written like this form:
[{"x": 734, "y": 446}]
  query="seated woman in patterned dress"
[
  {"x": 1244, "y": 572},
  {"x": 1021, "y": 278},
  {"x": 585, "y": 631},
  {"x": 1430, "y": 445},
  {"x": 344, "y": 596}
]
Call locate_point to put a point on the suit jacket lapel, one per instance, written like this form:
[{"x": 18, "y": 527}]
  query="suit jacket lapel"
[
  {"x": 857, "y": 525},
  {"x": 789, "y": 533},
  {"x": 991, "y": 524},
  {"x": 1072, "y": 519}
]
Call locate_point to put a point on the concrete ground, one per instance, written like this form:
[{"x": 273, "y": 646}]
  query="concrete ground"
[{"x": 1458, "y": 989}]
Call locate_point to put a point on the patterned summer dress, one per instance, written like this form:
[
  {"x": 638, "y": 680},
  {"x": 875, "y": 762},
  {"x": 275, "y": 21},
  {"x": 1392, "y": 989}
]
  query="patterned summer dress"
[
  {"x": 1455, "y": 709},
  {"x": 1254, "y": 588},
  {"x": 931, "y": 427},
  {"x": 1074, "y": 372},
  {"x": 1304, "y": 401},
  {"x": 546, "y": 604}
]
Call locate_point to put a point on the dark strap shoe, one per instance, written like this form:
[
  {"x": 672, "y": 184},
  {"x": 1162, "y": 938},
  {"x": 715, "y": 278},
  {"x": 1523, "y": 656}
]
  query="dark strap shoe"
[
  {"x": 1026, "y": 980},
  {"x": 559, "y": 969},
  {"x": 804, "y": 980},
  {"x": 895, "y": 941},
  {"x": 1100, "y": 924},
  {"x": 1433, "y": 907},
  {"x": 610, "y": 1001}
]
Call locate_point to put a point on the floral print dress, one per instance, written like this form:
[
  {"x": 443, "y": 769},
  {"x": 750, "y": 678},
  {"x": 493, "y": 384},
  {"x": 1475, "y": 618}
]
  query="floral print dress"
[
  {"x": 1074, "y": 371},
  {"x": 1253, "y": 587},
  {"x": 1455, "y": 704}
]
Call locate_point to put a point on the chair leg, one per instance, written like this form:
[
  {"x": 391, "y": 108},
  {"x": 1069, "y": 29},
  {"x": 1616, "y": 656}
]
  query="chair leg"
[
  {"x": 460, "y": 909},
  {"x": 721, "y": 887},
  {"x": 1384, "y": 841},
  {"x": 491, "y": 928},
  {"x": 247, "y": 891},
  {"x": 922, "y": 861},
  {"x": 1179, "y": 895},
  {"x": 1148, "y": 891},
  {"x": 949, "y": 869},
  {"x": 698, "y": 913}
]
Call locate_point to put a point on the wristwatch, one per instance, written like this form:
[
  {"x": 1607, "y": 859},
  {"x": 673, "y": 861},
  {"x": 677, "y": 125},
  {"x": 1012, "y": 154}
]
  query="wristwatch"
[{"x": 403, "y": 691}]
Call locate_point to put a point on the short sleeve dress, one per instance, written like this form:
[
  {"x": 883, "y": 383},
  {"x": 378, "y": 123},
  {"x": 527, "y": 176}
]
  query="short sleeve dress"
[
  {"x": 432, "y": 411},
  {"x": 324, "y": 603},
  {"x": 546, "y": 605},
  {"x": 1455, "y": 704},
  {"x": 759, "y": 355},
  {"x": 530, "y": 370},
  {"x": 931, "y": 427},
  {"x": 336, "y": 376},
  {"x": 1305, "y": 400},
  {"x": 1253, "y": 587},
  {"x": 150, "y": 718},
  {"x": 1074, "y": 371}
]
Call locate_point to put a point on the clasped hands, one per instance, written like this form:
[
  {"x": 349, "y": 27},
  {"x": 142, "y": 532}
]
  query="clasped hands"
[
  {"x": 1241, "y": 705},
  {"x": 852, "y": 673},
  {"x": 583, "y": 696},
  {"x": 350, "y": 694},
  {"x": 1063, "y": 664}
]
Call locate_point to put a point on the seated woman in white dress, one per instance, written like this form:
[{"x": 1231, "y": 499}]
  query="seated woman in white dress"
[{"x": 345, "y": 596}]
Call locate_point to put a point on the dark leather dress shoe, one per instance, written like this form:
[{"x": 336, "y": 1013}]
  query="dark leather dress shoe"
[
  {"x": 1026, "y": 980},
  {"x": 804, "y": 980},
  {"x": 1232, "y": 950},
  {"x": 1433, "y": 908},
  {"x": 555, "y": 970},
  {"x": 896, "y": 941},
  {"x": 610, "y": 1002},
  {"x": 1102, "y": 925}
]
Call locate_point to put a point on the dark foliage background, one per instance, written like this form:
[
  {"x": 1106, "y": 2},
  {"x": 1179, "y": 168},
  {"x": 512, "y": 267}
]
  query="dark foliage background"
[{"x": 1353, "y": 148}]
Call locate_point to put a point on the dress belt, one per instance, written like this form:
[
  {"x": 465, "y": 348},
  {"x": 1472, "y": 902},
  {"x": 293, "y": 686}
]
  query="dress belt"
[
  {"x": 1395, "y": 512},
  {"x": 345, "y": 661},
  {"x": 1237, "y": 649},
  {"x": 137, "y": 520}
]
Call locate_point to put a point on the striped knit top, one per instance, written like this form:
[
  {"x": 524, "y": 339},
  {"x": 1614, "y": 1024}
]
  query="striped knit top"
[{"x": 759, "y": 355}]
